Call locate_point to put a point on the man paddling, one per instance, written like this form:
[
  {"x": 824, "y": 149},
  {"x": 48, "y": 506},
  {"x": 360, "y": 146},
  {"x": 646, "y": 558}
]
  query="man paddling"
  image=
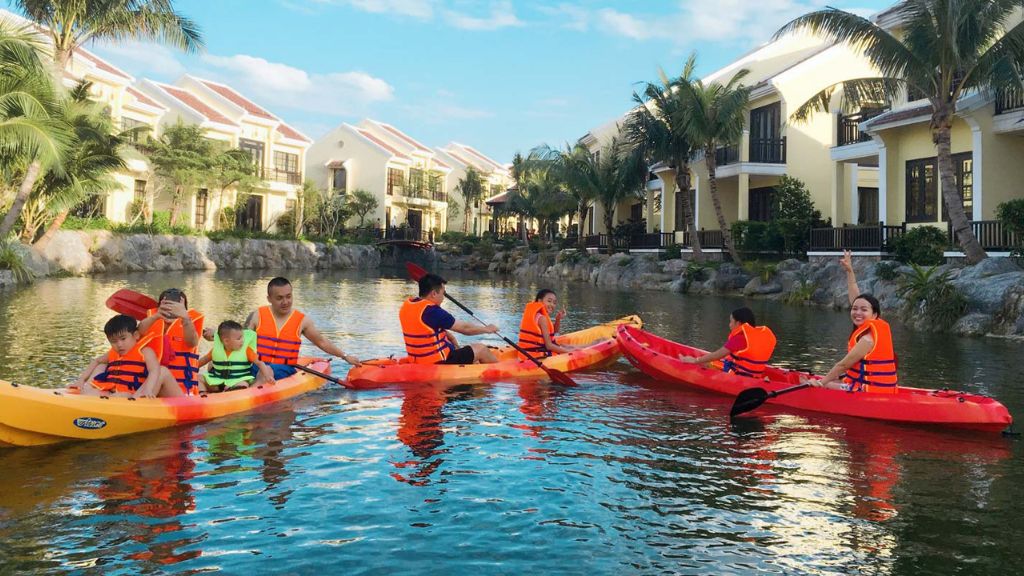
[
  {"x": 427, "y": 329},
  {"x": 279, "y": 330}
]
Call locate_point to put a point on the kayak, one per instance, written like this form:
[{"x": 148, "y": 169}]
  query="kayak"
[
  {"x": 598, "y": 343},
  {"x": 32, "y": 416},
  {"x": 658, "y": 358}
]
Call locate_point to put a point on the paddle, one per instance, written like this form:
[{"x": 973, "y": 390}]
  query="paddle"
[
  {"x": 327, "y": 377},
  {"x": 751, "y": 398},
  {"x": 562, "y": 378},
  {"x": 132, "y": 303}
]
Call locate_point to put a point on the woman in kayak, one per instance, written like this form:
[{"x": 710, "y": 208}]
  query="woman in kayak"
[
  {"x": 172, "y": 323},
  {"x": 536, "y": 329},
  {"x": 748, "y": 348},
  {"x": 870, "y": 361}
]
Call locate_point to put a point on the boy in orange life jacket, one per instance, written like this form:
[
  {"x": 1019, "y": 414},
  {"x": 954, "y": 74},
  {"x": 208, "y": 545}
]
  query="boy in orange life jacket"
[
  {"x": 425, "y": 328},
  {"x": 279, "y": 331},
  {"x": 748, "y": 348},
  {"x": 130, "y": 368}
]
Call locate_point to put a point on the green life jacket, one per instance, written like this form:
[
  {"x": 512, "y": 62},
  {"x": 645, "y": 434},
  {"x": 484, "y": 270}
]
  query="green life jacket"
[{"x": 234, "y": 368}]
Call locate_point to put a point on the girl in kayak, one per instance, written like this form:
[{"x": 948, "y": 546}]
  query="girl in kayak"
[
  {"x": 234, "y": 362},
  {"x": 537, "y": 330},
  {"x": 172, "y": 323},
  {"x": 870, "y": 361},
  {"x": 747, "y": 350}
]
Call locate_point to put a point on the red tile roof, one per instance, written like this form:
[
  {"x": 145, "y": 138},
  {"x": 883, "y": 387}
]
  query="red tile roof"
[
  {"x": 897, "y": 115},
  {"x": 101, "y": 64},
  {"x": 143, "y": 99},
  {"x": 401, "y": 135},
  {"x": 482, "y": 157},
  {"x": 292, "y": 133},
  {"x": 440, "y": 163},
  {"x": 194, "y": 103},
  {"x": 239, "y": 100},
  {"x": 497, "y": 199},
  {"x": 366, "y": 134}
]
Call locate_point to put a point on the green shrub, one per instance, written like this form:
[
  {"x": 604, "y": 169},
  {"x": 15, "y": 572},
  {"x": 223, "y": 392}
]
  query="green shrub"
[
  {"x": 887, "y": 270},
  {"x": 763, "y": 270},
  {"x": 802, "y": 291},
  {"x": 942, "y": 302},
  {"x": 536, "y": 244},
  {"x": 78, "y": 223},
  {"x": 10, "y": 259},
  {"x": 673, "y": 252},
  {"x": 626, "y": 261},
  {"x": 571, "y": 256},
  {"x": 793, "y": 215},
  {"x": 755, "y": 237},
  {"x": 452, "y": 237},
  {"x": 161, "y": 224},
  {"x": 923, "y": 246},
  {"x": 1011, "y": 215}
]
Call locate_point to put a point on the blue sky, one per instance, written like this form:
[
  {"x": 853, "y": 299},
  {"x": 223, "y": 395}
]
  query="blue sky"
[{"x": 502, "y": 75}]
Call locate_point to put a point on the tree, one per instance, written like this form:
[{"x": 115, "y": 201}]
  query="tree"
[
  {"x": 621, "y": 174},
  {"x": 542, "y": 195},
  {"x": 183, "y": 159},
  {"x": 794, "y": 214},
  {"x": 518, "y": 173},
  {"x": 232, "y": 167},
  {"x": 361, "y": 203},
  {"x": 656, "y": 130},
  {"x": 33, "y": 135},
  {"x": 471, "y": 186},
  {"x": 578, "y": 171},
  {"x": 715, "y": 115},
  {"x": 72, "y": 23},
  {"x": 945, "y": 49}
]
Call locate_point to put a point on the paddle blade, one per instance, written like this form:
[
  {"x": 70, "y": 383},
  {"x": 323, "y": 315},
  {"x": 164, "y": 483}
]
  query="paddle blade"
[
  {"x": 415, "y": 272},
  {"x": 748, "y": 400},
  {"x": 132, "y": 303},
  {"x": 559, "y": 377}
]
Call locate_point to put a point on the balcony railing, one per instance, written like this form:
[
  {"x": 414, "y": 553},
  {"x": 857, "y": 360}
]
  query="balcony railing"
[
  {"x": 406, "y": 233},
  {"x": 726, "y": 155},
  {"x": 653, "y": 241},
  {"x": 708, "y": 239},
  {"x": 1009, "y": 100},
  {"x": 848, "y": 129},
  {"x": 990, "y": 234},
  {"x": 768, "y": 150},
  {"x": 875, "y": 237},
  {"x": 282, "y": 176}
]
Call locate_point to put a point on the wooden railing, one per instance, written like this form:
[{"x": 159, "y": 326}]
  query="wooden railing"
[
  {"x": 768, "y": 150},
  {"x": 405, "y": 233},
  {"x": 725, "y": 155},
  {"x": 1009, "y": 100},
  {"x": 874, "y": 237},
  {"x": 653, "y": 241},
  {"x": 990, "y": 233},
  {"x": 708, "y": 239}
]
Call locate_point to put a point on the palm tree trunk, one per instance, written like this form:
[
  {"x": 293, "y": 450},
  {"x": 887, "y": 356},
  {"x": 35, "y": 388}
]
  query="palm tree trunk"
[
  {"x": 683, "y": 185},
  {"x": 951, "y": 195},
  {"x": 51, "y": 230},
  {"x": 711, "y": 162},
  {"x": 11, "y": 218},
  {"x": 583, "y": 221}
]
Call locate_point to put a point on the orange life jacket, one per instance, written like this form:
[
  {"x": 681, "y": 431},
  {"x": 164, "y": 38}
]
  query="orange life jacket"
[
  {"x": 184, "y": 365},
  {"x": 278, "y": 346},
  {"x": 752, "y": 360},
  {"x": 876, "y": 372},
  {"x": 531, "y": 338},
  {"x": 125, "y": 373},
  {"x": 425, "y": 345}
]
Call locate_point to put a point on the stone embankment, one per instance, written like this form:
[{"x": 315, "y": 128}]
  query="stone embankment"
[
  {"x": 93, "y": 252},
  {"x": 994, "y": 289}
]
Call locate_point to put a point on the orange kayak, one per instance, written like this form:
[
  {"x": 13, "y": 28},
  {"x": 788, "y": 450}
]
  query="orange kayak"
[
  {"x": 35, "y": 416},
  {"x": 659, "y": 359},
  {"x": 597, "y": 346}
]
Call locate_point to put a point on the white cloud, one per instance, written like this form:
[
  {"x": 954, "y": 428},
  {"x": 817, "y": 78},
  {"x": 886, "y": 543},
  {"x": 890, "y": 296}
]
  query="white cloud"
[
  {"x": 571, "y": 16},
  {"x": 152, "y": 59},
  {"x": 502, "y": 15},
  {"x": 420, "y": 9}
]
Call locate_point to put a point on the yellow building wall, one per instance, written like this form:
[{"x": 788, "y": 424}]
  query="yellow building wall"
[{"x": 1002, "y": 167}]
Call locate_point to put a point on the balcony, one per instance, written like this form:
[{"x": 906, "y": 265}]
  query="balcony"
[
  {"x": 1009, "y": 100},
  {"x": 725, "y": 155},
  {"x": 768, "y": 150},
  {"x": 708, "y": 239},
  {"x": 848, "y": 126},
  {"x": 275, "y": 175},
  {"x": 405, "y": 233},
  {"x": 874, "y": 238},
  {"x": 656, "y": 241},
  {"x": 991, "y": 235}
]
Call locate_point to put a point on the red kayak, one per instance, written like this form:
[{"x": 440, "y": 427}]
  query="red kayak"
[{"x": 659, "y": 359}]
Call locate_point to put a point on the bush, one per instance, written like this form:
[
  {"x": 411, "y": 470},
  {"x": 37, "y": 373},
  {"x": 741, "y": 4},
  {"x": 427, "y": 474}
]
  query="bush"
[
  {"x": 161, "y": 224},
  {"x": 887, "y": 270},
  {"x": 673, "y": 252},
  {"x": 794, "y": 214},
  {"x": 923, "y": 246},
  {"x": 940, "y": 300},
  {"x": 755, "y": 237},
  {"x": 1011, "y": 216},
  {"x": 451, "y": 237},
  {"x": 626, "y": 261},
  {"x": 763, "y": 270},
  {"x": 78, "y": 223},
  {"x": 803, "y": 291},
  {"x": 572, "y": 256},
  {"x": 10, "y": 259}
]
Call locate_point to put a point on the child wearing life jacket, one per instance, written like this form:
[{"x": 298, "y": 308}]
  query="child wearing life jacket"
[
  {"x": 748, "y": 349},
  {"x": 234, "y": 362},
  {"x": 129, "y": 368},
  {"x": 536, "y": 328}
]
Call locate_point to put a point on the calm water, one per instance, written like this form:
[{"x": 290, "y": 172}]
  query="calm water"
[{"x": 620, "y": 475}]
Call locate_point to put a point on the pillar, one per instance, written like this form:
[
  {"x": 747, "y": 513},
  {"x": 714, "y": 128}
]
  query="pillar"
[{"x": 743, "y": 200}]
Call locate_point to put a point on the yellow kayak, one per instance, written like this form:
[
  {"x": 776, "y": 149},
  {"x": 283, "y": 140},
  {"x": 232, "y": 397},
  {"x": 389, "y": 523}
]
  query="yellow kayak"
[
  {"x": 598, "y": 345},
  {"x": 32, "y": 416}
]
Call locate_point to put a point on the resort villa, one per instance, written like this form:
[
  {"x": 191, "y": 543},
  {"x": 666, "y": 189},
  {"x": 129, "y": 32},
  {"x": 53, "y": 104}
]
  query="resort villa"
[
  {"x": 872, "y": 172},
  {"x": 496, "y": 181}
]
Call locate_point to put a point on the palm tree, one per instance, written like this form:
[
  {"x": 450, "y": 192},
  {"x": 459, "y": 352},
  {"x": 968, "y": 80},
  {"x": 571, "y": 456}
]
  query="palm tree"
[
  {"x": 94, "y": 155},
  {"x": 518, "y": 173},
  {"x": 33, "y": 137},
  {"x": 656, "y": 130},
  {"x": 72, "y": 23},
  {"x": 471, "y": 186},
  {"x": 946, "y": 49},
  {"x": 576, "y": 168},
  {"x": 715, "y": 116}
]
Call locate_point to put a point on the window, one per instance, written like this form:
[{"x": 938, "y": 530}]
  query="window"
[
  {"x": 202, "y": 201},
  {"x": 867, "y": 205},
  {"x": 140, "y": 191},
  {"x": 922, "y": 190},
  {"x": 680, "y": 216},
  {"x": 92, "y": 207},
  {"x": 135, "y": 136},
  {"x": 963, "y": 171},
  {"x": 255, "y": 149},
  {"x": 396, "y": 181},
  {"x": 761, "y": 200},
  {"x": 766, "y": 142},
  {"x": 435, "y": 184},
  {"x": 417, "y": 181},
  {"x": 339, "y": 180},
  {"x": 286, "y": 168},
  {"x": 636, "y": 212}
]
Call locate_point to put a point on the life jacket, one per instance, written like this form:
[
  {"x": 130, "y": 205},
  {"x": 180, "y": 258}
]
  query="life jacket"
[
  {"x": 425, "y": 345},
  {"x": 876, "y": 372},
  {"x": 278, "y": 346},
  {"x": 230, "y": 369},
  {"x": 183, "y": 360},
  {"x": 125, "y": 373},
  {"x": 531, "y": 338},
  {"x": 751, "y": 361}
]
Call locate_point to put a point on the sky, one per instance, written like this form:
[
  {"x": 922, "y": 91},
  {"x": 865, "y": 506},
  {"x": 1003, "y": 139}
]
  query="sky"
[{"x": 499, "y": 75}]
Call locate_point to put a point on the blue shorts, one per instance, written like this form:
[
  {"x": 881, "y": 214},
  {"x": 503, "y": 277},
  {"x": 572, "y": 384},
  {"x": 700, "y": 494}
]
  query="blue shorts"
[{"x": 281, "y": 371}]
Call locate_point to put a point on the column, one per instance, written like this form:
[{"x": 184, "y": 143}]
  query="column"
[
  {"x": 838, "y": 172},
  {"x": 977, "y": 169},
  {"x": 695, "y": 181},
  {"x": 854, "y": 195},
  {"x": 883, "y": 184},
  {"x": 745, "y": 146},
  {"x": 650, "y": 209},
  {"x": 743, "y": 200}
]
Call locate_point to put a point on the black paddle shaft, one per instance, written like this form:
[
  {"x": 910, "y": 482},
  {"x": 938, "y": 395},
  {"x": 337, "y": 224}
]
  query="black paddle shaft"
[
  {"x": 751, "y": 398},
  {"x": 500, "y": 335},
  {"x": 327, "y": 377}
]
